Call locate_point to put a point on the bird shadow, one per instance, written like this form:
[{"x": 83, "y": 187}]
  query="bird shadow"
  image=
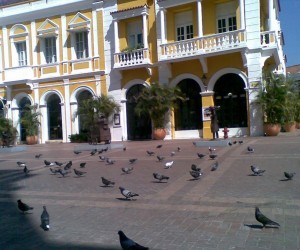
[
  {"x": 284, "y": 180},
  {"x": 159, "y": 182},
  {"x": 254, "y": 226},
  {"x": 255, "y": 175},
  {"x": 193, "y": 179},
  {"x": 124, "y": 199},
  {"x": 104, "y": 186},
  {"x": 78, "y": 176}
]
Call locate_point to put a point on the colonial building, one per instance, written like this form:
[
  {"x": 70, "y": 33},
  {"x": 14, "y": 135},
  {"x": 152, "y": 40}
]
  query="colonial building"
[{"x": 55, "y": 54}]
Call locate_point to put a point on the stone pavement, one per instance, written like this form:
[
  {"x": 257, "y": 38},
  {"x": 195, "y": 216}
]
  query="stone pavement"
[{"x": 214, "y": 212}]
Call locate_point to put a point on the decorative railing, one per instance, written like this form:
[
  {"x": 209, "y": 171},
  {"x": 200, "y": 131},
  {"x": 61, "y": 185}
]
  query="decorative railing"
[
  {"x": 130, "y": 58},
  {"x": 203, "y": 45},
  {"x": 268, "y": 39}
]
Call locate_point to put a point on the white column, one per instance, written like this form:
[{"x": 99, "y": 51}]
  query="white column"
[
  {"x": 98, "y": 85},
  {"x": 145, "y": 31},
  {"x": 64, "y": 37},
  {"x": 162, "y": 26},
  {"x": 44, "y": 123},
  {"x": 5, "y": 47},
  {"x": 116, "y": 30},
  {"x": 75, "y": 127},
  {"x": 95, "y": 33},
  {"x": 271, "y": 14},
  {"x": 67, "y": 117},
  {"x": 242, "y": 14},
  {"x": 33, "y": 43},
  {"x": 8, "y": 103},
  {"x": 200, "y": 22}
]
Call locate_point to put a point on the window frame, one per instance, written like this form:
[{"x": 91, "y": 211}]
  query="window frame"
[
  {"x": 51, "y": 49},
  {"x": 81, "y": 44},
  {"x": 21, "y": 54}
]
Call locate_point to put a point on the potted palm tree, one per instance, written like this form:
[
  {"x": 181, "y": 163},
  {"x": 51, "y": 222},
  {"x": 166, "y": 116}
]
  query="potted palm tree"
[
  {"x": 272, "y": 100},
  {"x": 156, "y": 100},
  {"x": 30, "y": 119},
  {"x": 8, "y": 132}
]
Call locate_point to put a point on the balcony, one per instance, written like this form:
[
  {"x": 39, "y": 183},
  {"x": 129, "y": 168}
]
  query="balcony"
[
  {"x": 204, "y": 45},
  {"x": 19, "y": 73},
  {"x": 268, "y": 39},
  {"x": 136, "y": 57}
]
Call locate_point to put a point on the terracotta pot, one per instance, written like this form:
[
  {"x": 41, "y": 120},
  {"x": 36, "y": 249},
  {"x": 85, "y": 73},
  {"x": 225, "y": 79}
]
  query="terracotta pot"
[
  {"x": 272, "y": 129},
  {"x": 289, "y": 127},
  {"x": 159, "y": 134},
  {"x": 297, "y": 125},
  {"x": 30, "y": 140}
]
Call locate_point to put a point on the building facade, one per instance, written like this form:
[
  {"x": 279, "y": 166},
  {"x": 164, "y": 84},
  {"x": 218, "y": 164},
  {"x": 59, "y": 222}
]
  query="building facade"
[{"x": 55, "y": 54}]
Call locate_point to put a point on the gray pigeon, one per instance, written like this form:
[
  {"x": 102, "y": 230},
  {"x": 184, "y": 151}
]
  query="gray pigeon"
[
  {"x": 201, "y": 155},
  {"x": 107, "y": 182},
  {"x": 126, "y": 193},
  {"x": 160, "y": 158},
  {"x": 127, "y": 170},
  {"x": 23, "y": 207},
  {"x": 133, "y": 160},
  {"x": 48, "y": 163},
  {"x": 195, "y": 168},
  {"x": 110, "y": 161},
  {"x": 79, "y": 173},
  {"x": 289, "y": 176},
  {"x": 54, "y": 170},
  {"x": 214, "y": 166},
  {"x": 250, "y": 150},
  {"x": 196, "y": 174},
  {"x": 37, "y": 156},
  {"x": 77, "y": 152},
  {"x": 256, "y": 171},
  {"x": 150, "y": 153},
  {"x": 82, "y": 164},
  {"x": 63, "y": 172},
  {"x": 93, "y": 152},
  {"x": 264, "y": 220},
  {"x": 59, "y": 163},
  {"x": 128, "y": 244},
  {"x": 160, "y": 177},
  {"x": 68, "y": 165},
  {"x": 45, "y": 219},
  {"x": 21, "y": 163},
  {"x": 213, "y": 156},
  {"x": 26, "y": 170},
  {"x": 102, "y": 158}
]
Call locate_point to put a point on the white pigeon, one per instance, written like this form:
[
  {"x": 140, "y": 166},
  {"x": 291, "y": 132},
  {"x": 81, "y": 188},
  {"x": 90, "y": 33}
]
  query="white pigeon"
[{"x": 169, "y": 164}]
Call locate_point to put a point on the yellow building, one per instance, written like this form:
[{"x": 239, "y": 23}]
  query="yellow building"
[{"x": 57, "y": 53}]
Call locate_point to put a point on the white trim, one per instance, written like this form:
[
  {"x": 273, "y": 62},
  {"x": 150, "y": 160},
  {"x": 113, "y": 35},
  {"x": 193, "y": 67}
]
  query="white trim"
[
  {"x": 95, "y": 33},
  {"x": 64, "y": 37},
  {"x": 181, "y": 77},
  {"x": 33, "y": 43},
  {"x": 131, "y": 13},
  {"x": 5, "y": 47}
]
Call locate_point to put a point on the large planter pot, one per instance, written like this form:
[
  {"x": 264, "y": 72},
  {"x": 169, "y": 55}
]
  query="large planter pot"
[
  {"x": 159, "y": 134},
  {"x": 289, "y": 127},
  {"x": 272, "y": 129},
  {"x": 32, "y": 139}
]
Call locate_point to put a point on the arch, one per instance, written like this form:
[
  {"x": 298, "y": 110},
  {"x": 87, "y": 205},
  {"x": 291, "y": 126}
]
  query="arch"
[
  {"x": 16, "y": 100},
  {"x": 181, "y": 77},
  {"x": 77, "y": 91},
  {"x": 131, "y": 84},
  {"x": 23, "y": 30},
  {"x": 47, "y": 94},
  {"x": 220, "y": 73}
]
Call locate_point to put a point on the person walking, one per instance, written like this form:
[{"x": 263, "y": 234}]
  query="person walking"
[{"x": 214, "y": 126}]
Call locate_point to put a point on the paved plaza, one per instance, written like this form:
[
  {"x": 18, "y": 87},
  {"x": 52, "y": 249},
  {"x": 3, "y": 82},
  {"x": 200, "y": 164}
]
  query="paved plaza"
[{"x": 214, "y": 212}]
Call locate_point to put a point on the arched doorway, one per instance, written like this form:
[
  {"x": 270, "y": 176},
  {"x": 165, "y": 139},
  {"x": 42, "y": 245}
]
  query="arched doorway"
[
  {"x": 22, "y": 106},
  {"x": 54, "y": 117},
  {"x": 138, "y": 127},
  {"x": 230, "y": 95},
  {"x": 188, "y": 114},
  {"x": 83, "y": 95}
]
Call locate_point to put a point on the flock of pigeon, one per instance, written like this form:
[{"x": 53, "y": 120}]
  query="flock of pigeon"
[{"x": 64, "y": 169}]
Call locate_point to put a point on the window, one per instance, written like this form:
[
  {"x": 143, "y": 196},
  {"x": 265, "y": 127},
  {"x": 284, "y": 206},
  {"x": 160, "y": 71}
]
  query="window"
[
  {"x": 226, "y": 17},
  {"x": 135, "y": 35},
  {"x": 21, "y": 52},
  {"x": 184, "y": 26},
  {"x": 227, "y": 24},
  {"x": 50, "y": 49},
  {"x": 81, "y": 45}
]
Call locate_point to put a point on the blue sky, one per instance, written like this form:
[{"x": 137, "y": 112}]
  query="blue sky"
[{"x": 290, "y": 24}]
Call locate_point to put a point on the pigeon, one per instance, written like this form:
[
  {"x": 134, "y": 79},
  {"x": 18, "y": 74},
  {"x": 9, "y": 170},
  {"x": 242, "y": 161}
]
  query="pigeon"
[
  {"x": 256, "y": 170},
  {"x": 160, "y": 177},
  {"x": 102, "y": 158},
  {"x": 45, "y": 220},
  {"x": 195, "y": 174},
  {"x": 250, "y": 150},
  {"x": 150, "y": 153},
  {"x": 178, "y": 149},
  {"x": 26, "y": 170},
  {"x": 59, "y": 163},
  {"x": 230, "y": 144},
  {"x": 169, "y": 164},
  {"x": 110, "y": 161},
  {"x": 79, "y": 173},
  {"x": 63, "y": 172},
  {"x": 211, "y": 150},
  {"x": 289, "y": 176},
  {"x": 241, "y": 142},
  {"x": 38, "y": 156},
  {"x": 127, "y": 170},
  {"x": 213, "y": 156},
  {"x": 107, "y": 182},
  {"x": 21, "y": 164},
  {"x": 195, "y": 168},
  {"x": 124, "y": 148},
  {"x": 82, "y": 164},
  {"x": 54, "y": 171},
  {"x": 105, "y": 149},
  {"x": 264, "y": 220},
  {"x": 68, "y": 165},
  {"x": 159, "y": 146},
  {"x": 201, "y": 155},
  {"x": 93, "y": 152},
  {"x": 128, "y": 244},
  {"x": 194, "y": 143},
  {"x": 48, "y": 163},
  {"x": 214, "y": 166},
  {"x": 23, "y": 207},
  {"x": 77, "y": 152},
  {"x": 126, "y": 193},
  {"x": 160, "y": 158},
  {"x": 133, "y": 160},
  {"x": 235, "y": 142},
  {"x": 172, "y": 153},
  {"x": 100, "y": 151}
]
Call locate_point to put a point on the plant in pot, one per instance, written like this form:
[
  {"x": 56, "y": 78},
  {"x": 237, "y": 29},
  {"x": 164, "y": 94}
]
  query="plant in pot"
[
  {"x": 95, "y": 110},
  {"x": 156, "y": 100},
  {"x": 272, "y": 100},
  {"x": 30, "y": 119},
  {"x": 8, "y": 133}
]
